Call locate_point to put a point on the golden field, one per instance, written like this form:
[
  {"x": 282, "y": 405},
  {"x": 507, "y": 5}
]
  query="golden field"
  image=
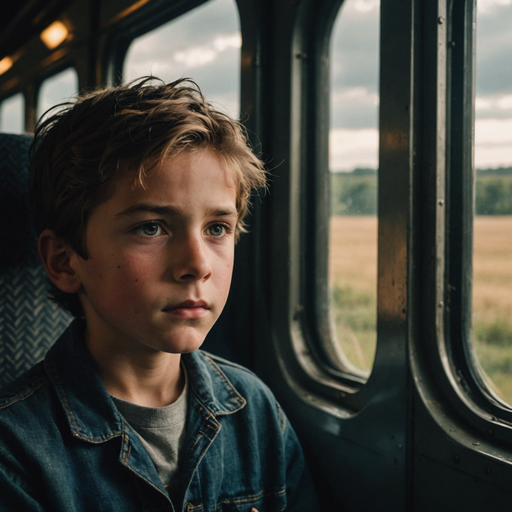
[{"x": 353, "y": 274}]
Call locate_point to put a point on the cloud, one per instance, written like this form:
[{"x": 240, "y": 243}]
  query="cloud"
[
  {"x": 490, "y": 6},
  {"x": 493, "y": 143},
  {"x": 354, "y": 48},
  {"x": 494, "y": 102},
  {"x": 494, "y": 132},
  {"x": 203, "y": 44},
  {"x": 354, "y": 65},
  {"x": 493, "y": 47},
  {"x": 354, "y": 107},
  {"x": 197, "y": 56},
  {"x": 365, "y": 5},
  {"x": 349, "y": 149},
  {"x": 493, "y": 107}
]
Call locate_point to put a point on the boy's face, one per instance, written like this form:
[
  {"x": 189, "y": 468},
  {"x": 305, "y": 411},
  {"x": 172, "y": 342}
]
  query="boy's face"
[{"x": 160, "y": 258}]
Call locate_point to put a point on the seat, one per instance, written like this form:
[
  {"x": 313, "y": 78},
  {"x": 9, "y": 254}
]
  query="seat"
[{"x": 29, "y": 323}]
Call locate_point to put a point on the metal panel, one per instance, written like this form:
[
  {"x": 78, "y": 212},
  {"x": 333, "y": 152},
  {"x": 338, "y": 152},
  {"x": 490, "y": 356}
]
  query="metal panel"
[{"x": 350, "y": 441}]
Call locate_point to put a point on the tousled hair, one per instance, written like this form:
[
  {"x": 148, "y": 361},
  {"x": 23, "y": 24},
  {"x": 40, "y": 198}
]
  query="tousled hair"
[{"x": 82, "y": 148}]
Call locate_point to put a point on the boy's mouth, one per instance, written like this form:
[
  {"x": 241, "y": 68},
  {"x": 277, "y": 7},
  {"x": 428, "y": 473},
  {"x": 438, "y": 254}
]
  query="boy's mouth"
[{"x": 188, "y": 309}]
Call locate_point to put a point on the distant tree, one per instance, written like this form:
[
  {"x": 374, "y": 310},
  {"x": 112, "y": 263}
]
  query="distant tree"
[
  {"x": 364, "y": 171},
  {"x": 353, "y": 194},
  {"x": 494, "y": 195},
  {"x": 499, "y": 171}
]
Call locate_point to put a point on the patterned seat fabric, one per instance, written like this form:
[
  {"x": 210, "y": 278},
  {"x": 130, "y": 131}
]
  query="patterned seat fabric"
[{"x": 29, "y": 323}]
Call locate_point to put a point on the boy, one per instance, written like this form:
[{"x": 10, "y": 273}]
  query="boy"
[{"x": 139, "y": 195}]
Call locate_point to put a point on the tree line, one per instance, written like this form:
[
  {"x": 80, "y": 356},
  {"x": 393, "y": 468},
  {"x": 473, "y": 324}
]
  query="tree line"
[{"x": 355, "y": 193}]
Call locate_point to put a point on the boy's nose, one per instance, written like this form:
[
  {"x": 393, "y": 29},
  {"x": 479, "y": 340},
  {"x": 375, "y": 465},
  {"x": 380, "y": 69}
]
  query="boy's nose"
[{"x": 192, "y": 263}]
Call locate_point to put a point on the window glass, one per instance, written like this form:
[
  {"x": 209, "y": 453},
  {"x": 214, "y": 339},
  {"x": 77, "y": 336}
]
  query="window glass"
[
  {"x": 353, "y": 163},
  {"x": 57, "y": 89},
  {"x": 12, "y": 114},
  {"x": 492, "y": 229},
  {"x": 203, "y": 44}
]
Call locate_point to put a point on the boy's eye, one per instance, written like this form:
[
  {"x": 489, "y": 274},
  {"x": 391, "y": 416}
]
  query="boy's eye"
[
  {"x": 218, "y": 230},
  {"x": 149, "y": 229}
]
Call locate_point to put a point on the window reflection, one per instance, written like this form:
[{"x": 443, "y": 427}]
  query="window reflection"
[
  {"x": 492, "y": 229},
  {"x": 203, "y": 44},
  {"x": 353, "y": 162}
]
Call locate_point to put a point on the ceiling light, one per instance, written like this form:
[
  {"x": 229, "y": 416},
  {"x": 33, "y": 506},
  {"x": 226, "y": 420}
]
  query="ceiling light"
[
  {"x": 54, "y": 35},
  {"x": 5, "y": 64}
]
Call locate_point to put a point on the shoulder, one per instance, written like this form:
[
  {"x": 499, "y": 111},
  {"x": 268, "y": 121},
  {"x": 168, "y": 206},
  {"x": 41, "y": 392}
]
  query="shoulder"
[
  {"x": 24, "y": 403},
  {"x": 24, "y": 387}
]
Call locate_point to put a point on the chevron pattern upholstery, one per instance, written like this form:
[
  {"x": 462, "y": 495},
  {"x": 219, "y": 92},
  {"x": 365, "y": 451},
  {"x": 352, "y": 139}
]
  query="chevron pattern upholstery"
[{"x": 29, "y": 323}]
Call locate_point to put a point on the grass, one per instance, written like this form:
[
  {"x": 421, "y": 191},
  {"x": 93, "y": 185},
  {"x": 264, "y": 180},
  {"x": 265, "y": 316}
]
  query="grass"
[
  {"x": 353, "y": 274},
  {"x": 355, "y": 318}
]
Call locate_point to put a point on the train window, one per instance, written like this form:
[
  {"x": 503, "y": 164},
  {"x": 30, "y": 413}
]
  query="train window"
[
  {"x": 57, "y": 89},
  {"x": 12, "y": 114},
  {"x": 492, "y": 225},
  {"x": 353, "y": 162},
  {"x": 203, "y": 44}
]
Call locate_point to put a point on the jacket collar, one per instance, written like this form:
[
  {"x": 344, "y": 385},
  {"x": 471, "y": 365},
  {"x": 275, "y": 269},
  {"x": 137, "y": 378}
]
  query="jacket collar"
[
  {"x": 90, "y": 412},
  {"x": 210, "y": 386}
]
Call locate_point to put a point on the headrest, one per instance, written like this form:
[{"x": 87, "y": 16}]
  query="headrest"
[{"x": 29, "y": 323}]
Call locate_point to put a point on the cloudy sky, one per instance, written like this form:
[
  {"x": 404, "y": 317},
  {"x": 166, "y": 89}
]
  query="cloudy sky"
[
  {"x": 204, "y": 44},
  {"x": 354, "y": 85},
  {"x": 354, "y": 113},
  {"x": 493, "y": 106}
]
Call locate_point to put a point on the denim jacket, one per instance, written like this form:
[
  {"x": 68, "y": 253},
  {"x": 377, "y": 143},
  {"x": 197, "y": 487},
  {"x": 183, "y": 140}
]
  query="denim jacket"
[{"x": 64, "y": 447}]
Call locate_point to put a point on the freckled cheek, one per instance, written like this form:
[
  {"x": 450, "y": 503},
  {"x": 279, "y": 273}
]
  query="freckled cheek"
[
  {"x": 123, "y": 278},
  {"x": 133, "y": 276},
  {"x": 224, "y": 274}
]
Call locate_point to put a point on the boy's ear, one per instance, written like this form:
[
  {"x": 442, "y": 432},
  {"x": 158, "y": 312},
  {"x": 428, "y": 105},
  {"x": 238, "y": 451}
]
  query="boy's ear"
[{"x": 56, "y": 257}]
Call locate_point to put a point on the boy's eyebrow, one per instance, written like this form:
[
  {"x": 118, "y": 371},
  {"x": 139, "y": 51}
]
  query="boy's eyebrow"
[{"x": 169, "y": 210}]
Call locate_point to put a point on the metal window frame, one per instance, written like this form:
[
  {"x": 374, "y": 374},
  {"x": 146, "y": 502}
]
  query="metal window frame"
[
  {"x": 462, "y": 210},
  {"x": 338, "y": 419},
  {"x": 457, "y": 426},
  {"x": 453, "y": 377}
]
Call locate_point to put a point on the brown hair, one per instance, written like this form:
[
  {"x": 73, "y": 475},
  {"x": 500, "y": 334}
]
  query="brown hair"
[{"x": 80, "y": 149}]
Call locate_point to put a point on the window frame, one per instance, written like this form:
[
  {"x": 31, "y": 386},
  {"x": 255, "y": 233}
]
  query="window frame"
[
  {"x": 298, "y": 308},
  {"x": 313, "y": 308},
  {"x": 449, "y": 390},
  {"x": 310, "y": 313},
  {"x": 465, "y": 364},
  {"x": 321, "y": 296},
  {"x": 367, "y": 426}
]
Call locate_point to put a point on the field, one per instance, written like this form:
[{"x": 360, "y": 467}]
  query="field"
[{"x": 353, "y": 269}]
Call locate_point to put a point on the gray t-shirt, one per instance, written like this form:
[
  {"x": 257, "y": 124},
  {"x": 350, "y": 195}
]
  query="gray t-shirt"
[{"x": 162, "y": 432}]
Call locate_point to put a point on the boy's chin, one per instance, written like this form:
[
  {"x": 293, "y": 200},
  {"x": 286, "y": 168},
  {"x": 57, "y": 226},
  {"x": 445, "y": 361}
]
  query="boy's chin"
[{"x": 184, "y": 345}]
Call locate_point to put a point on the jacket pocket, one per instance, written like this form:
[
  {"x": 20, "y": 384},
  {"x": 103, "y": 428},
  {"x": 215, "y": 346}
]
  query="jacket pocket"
[{"x": 261, "y": 502}]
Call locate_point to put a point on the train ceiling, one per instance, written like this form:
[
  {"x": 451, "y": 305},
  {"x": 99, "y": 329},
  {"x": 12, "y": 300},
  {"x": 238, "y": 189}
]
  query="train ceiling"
[{"x": 22, "y": 19}]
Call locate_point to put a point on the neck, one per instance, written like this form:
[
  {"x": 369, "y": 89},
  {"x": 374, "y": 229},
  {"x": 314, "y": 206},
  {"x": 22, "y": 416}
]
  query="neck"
[{"x": 149, "y": 377}]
